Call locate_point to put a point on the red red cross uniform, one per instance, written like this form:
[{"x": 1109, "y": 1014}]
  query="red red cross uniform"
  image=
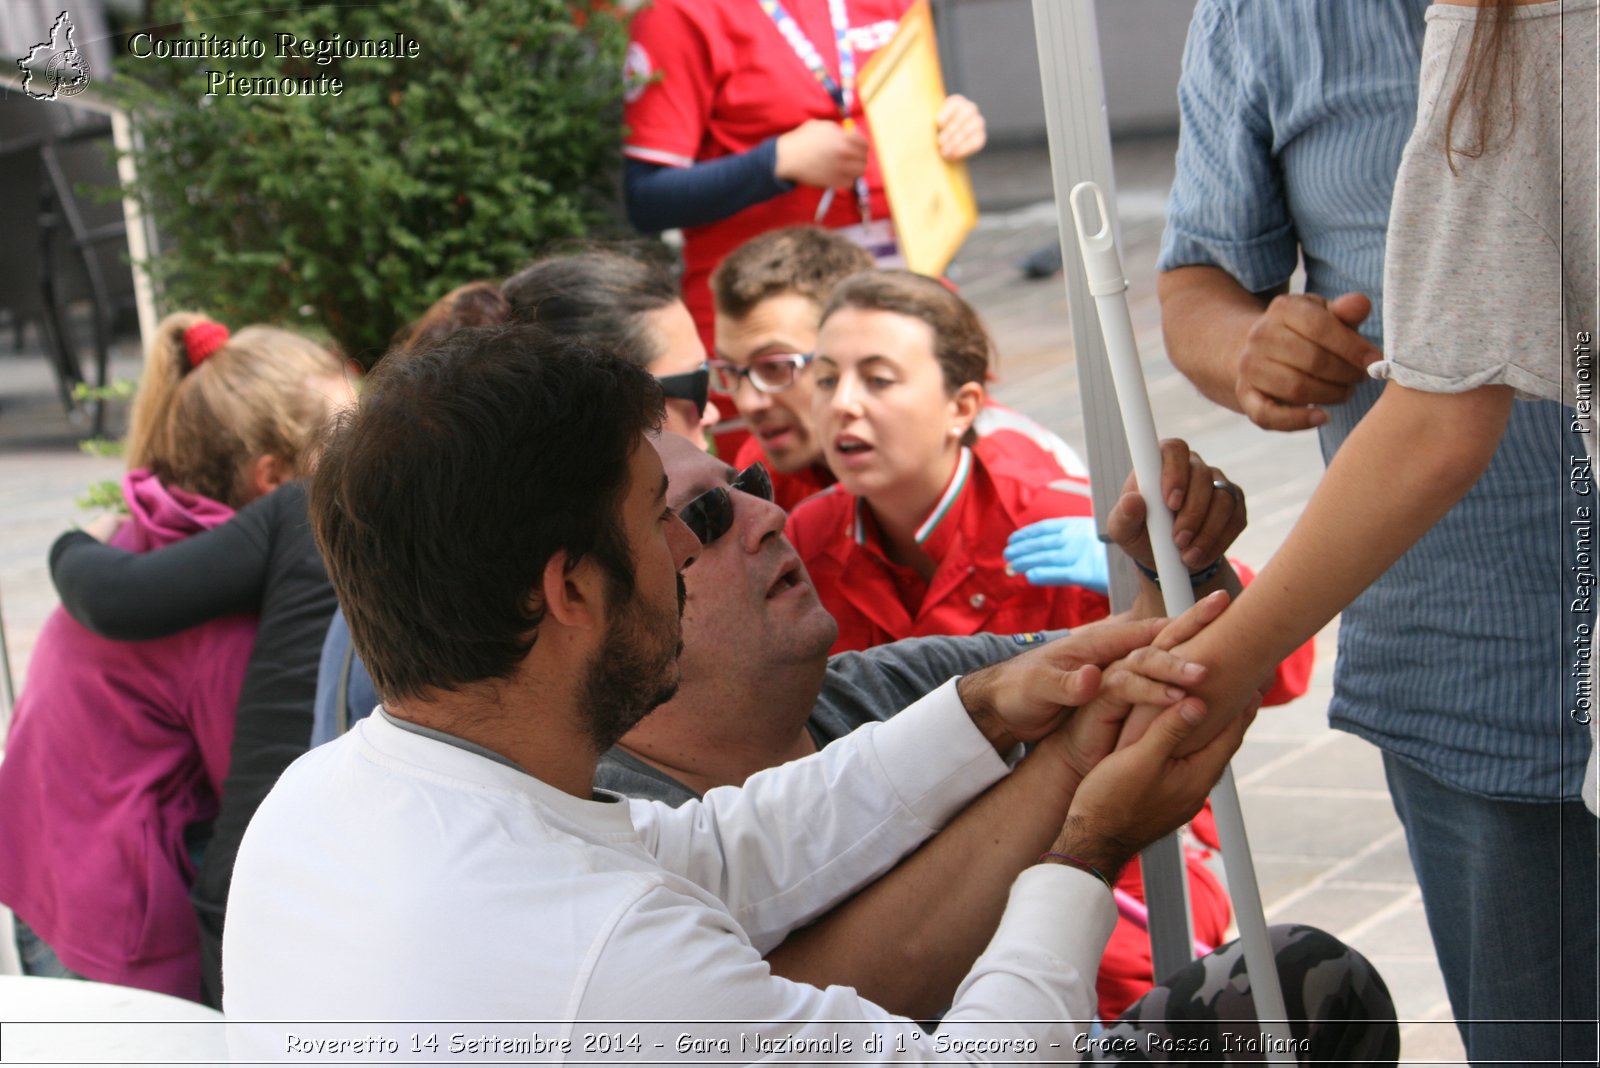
[
  {"x": 878, "y": 601},
  {"x": 1008, "y": 441}
]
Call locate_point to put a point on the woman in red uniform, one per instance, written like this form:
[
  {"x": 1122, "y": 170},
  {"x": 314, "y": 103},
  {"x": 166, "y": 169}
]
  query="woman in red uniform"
[{"x": 909, "y": 541}]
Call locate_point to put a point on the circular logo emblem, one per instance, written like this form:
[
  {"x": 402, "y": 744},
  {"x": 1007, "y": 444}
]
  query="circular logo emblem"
[
  {"x": 636, "y": 72},
  {"x": 67, "y": 73}
]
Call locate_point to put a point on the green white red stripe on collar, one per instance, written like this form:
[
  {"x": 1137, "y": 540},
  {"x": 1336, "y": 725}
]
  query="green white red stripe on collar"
[{"x": 947, "y": 501}]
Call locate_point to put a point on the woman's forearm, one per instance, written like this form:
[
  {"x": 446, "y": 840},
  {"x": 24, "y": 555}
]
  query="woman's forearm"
[{"x": 1404, "y": 466}]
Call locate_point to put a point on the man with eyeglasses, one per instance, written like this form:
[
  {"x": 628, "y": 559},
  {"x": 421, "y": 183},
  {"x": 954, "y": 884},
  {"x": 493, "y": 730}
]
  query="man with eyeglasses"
[{"x": 769, "y": 294}]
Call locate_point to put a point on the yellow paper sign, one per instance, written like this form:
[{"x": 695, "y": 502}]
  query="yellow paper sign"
[{"x": 930, "y": 198}]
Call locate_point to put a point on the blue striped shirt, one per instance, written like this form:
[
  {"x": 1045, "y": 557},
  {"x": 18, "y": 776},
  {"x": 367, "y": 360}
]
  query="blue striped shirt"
[{"x": 1295, "y": 113}]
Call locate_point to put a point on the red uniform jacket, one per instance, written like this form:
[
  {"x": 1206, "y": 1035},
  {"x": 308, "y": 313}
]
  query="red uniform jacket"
[
  {"x": 876, "y": 601},
  {"x": 1008, "y": 442}
]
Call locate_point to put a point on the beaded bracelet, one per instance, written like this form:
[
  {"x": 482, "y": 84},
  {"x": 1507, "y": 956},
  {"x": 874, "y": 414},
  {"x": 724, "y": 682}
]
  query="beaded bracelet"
[
  {"x": 1076, "y": 862},
  {"x": 1196, "y": 578}
]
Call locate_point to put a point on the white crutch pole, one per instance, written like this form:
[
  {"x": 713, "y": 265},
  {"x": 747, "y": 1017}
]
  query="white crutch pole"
[{"x": 1103, "y": 267}]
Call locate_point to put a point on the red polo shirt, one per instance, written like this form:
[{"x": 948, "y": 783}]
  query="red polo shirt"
[
  {"x": 716, "y": 78},
  {"x": 877, "y": 601}
]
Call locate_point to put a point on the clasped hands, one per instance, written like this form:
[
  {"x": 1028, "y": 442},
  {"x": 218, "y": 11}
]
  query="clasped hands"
[
  {"x": 1117, "y": 702},
  {"x": 1072, "y": 698}
]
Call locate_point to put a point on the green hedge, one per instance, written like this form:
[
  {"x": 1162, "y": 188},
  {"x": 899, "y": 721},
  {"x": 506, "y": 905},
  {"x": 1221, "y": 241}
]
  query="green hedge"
[{"x": 351, "y": 212}]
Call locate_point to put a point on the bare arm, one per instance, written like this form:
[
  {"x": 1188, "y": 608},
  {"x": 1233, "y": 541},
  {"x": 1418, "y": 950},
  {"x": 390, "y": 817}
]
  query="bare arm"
[
  {"x": 1205, "y": 316},
  {"x": 1405, "y": 465},
  {"x": 1276, "y": 357}
]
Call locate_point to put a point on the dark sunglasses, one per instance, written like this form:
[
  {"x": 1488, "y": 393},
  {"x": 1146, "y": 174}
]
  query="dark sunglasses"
[
  {"x": 691, "y": 386},
  {"x": 711, "y": 514}
]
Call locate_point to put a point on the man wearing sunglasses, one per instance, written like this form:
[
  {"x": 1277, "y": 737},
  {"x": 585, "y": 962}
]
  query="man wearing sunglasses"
[
  {"x": 757, "y": 689},
  {"x": 769, "y": 295}
]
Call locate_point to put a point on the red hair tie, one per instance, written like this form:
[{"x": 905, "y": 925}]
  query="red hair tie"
[{"x": 202, "y": 339}]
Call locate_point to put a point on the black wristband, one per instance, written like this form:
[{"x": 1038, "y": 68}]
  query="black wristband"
[{"x": 1196, "y": 578}]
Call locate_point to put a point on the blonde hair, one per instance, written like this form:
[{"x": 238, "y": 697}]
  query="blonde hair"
[{"x": 202, "y": 427}]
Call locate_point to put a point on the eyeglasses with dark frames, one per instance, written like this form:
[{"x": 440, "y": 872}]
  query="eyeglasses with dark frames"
[
  {"x": 711, "y": 514},
  {"x": 772, "y": 373}
]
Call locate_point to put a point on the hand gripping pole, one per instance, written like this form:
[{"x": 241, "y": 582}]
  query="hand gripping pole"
[{"x": 1103, "y": 267}]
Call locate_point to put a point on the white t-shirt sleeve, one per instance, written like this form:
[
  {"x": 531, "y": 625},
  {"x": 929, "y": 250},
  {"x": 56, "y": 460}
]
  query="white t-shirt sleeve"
[
  {"x": 670, "y": 958},
  {"x": 1472, "y": 291},
  {"x": 797, "y": 839}
]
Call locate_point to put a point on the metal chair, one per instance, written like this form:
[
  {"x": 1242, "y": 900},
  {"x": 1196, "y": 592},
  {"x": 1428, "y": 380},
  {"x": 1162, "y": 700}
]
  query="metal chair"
[{"x": 67, "y": 247}]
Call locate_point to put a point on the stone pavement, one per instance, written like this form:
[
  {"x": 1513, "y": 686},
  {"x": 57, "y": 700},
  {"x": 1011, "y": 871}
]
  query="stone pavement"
[{"x": 1328, "y": 848}]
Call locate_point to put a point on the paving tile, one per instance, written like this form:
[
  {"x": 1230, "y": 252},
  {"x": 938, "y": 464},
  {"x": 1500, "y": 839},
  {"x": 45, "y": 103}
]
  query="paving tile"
[
  {"x": 1304, "y": 718},
  {"x": 1334, "y": 909},
  {"x": 1405, "y": 934},
  {"x": 1389, "y": 864},
  {"x": 1256, "y": 753},
  {"x": 1279, "y": 876},
  {"x": 1342, "y": 762},
  {"x": 1315, "y": 823}
]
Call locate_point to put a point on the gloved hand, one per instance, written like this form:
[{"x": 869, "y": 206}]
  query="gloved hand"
[{"x": 1060, "y": 552}]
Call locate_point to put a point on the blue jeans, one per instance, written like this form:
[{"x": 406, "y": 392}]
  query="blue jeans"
[
  {"x": 38, "y": 958},
  {"x": 1510, "y": 891}
]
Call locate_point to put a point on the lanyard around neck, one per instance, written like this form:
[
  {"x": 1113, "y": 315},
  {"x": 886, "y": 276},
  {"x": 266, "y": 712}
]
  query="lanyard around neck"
[{"x": 842, "y": 91}]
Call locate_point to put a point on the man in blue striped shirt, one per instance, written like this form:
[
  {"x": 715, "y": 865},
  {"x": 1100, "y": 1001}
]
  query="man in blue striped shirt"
[{"x": 1294, "y": 117}]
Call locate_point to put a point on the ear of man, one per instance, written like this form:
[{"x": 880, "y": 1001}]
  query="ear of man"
[{"x": 574, "y": 592}]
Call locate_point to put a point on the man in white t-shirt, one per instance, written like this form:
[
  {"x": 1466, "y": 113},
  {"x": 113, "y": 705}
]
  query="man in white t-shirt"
[{"x": 495, "y": 520}]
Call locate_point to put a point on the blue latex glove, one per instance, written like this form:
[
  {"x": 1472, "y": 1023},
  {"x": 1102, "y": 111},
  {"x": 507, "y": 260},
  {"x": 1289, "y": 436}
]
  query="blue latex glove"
[{"x": 1060, "y": 552}]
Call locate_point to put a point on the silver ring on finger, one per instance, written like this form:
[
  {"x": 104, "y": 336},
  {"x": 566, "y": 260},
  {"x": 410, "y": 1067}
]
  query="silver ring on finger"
[{"x": 1229, "y": 488}]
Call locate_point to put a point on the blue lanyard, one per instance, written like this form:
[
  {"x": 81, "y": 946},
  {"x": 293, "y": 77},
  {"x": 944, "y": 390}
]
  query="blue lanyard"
[{"x": 842, "y": 91}]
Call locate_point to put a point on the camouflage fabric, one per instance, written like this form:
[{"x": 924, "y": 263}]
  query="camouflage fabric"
[{"x": 1339, "y": 1010}]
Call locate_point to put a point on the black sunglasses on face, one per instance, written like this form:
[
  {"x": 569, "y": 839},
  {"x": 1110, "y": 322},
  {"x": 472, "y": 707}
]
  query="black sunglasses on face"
[
  {"x": 691, "y": 386},
  {"x": 711, "y": 514}
]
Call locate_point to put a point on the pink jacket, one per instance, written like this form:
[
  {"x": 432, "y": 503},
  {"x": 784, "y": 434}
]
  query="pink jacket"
[{"x": 115, "y": 748}]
